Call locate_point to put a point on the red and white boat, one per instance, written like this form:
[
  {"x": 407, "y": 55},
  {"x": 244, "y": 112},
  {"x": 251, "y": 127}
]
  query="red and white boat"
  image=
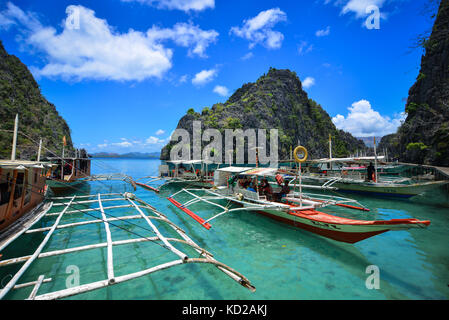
[{"x": 296, "y": 208}]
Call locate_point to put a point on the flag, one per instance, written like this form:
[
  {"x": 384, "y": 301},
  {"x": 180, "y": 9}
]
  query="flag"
[{"x": 64, "y": 141}]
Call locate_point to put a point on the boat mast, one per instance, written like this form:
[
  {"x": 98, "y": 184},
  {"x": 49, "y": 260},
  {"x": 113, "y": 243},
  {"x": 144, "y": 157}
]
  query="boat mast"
[
  {"x": 39, "y": 152},
  {"x": 14, "y": 139},
  {"x": 330, "y": 149},
  {"x": 375, "y": 159}
]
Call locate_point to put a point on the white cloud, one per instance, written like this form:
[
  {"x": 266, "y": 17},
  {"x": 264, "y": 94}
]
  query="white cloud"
[
  {"x": 5, "y": 22},
  {"x": 304, "y": 48},
  {"x": 222, "y": 91},
  {"x": 94, "y": 50},
  {"x": 124, "y": 144},
  {"x": 183, "y": 78},
  {"x": 204, "y": 77},
  {"x": 247, "y": 56},
  {"x": 185, "y": 35},
  {"x": 308, "y": 82},
  {"x": 324, "y": 32},
  {"x": 258, "y": 30},
  {"x": 154, "y": 140},
  {"x": 359, "y": 7},
  {"x": 184, "y": 5},
  {"x": 363, "y": 121},
  {"x": 160, "y": 132}
]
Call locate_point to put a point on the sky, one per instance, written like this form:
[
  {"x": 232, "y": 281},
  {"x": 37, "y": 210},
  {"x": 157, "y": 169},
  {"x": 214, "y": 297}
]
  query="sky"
[{"x": 123, "y": 72}]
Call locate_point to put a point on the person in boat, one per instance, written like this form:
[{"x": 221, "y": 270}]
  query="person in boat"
[
  {"x": 266, "y": 189},
  {"x": 370, "y": 172},
  {"x": 252, "y": 184},
  {"x": 67, "y": 168},
  {"x": 285, "y": 189},
  {"x": 231, "y": 182},
  {"x": 246, "y": 182}
]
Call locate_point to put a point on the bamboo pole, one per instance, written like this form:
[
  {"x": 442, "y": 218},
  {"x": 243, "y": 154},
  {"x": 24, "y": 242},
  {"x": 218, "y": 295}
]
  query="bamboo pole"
[
  {"x": 87, "y": 201},
  {"x": 91, "y": 209},
  {"x": 183, "y": 256},
  {"x": 104, "y": 283},
  {"x": 86, "y": 196},
  {"x": 22, "y": 270},
  {"x": 109, "y": 240},
  {"x": 36, "y": 287},
  {"x": 45, "y": 209},
  {"x": 82, "y": 223},
  {"x": 28, "y": 284},
  {"x": 12, "y": 261}
]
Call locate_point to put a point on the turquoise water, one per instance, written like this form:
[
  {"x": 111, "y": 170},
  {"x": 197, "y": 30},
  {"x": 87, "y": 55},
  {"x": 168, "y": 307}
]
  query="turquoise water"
[{"x": 282, "y": 262}]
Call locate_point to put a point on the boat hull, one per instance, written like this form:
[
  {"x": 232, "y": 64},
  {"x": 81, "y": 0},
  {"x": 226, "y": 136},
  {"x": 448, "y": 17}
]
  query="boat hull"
[
  {"x": 62, "y": 187},
  {"x": 185, "y": 184},
  {"x": 381, "y": 189},
  {"x": 342, "y": 236},
  {"x": 337, "y": 228}
]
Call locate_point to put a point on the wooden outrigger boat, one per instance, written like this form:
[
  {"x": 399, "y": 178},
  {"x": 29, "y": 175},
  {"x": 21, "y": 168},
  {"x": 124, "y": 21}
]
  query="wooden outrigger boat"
[
  {"x": 355, "y": 180},
  {"x": 295, "y": 208},
  {"x": 69, "y": 173},
  {"x": 356, "y": 184},
  {"x": 179, "y": 173},
  {"x": 22, "y": 190}
]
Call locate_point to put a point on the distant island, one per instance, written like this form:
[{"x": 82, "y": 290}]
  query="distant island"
[
  {"x": 135, "y": 155},
  {"x": 369, "y": 141}
]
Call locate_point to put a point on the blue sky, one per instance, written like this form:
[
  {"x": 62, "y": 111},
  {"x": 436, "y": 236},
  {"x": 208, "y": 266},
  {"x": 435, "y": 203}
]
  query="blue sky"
[{"x": 123, "y": 72}]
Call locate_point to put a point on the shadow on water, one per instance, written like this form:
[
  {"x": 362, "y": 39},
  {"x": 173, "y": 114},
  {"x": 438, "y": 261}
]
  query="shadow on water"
[{"x": 350, "y": 257}]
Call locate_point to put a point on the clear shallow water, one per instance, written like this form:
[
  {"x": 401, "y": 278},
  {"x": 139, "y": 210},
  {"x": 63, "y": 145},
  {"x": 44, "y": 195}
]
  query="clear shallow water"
[{"x": 281, "y": 261}]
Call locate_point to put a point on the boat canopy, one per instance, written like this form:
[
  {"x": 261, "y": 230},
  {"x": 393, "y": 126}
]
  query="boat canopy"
[
  {"x": 24, "y": 164},
  {"x": 234, "y": 169},
  {"x": 176, "y": 162},
  {"x": 356, "y": 159},
  {"x": 66, "y": 158},
  {"x": 260, "y": 172}
]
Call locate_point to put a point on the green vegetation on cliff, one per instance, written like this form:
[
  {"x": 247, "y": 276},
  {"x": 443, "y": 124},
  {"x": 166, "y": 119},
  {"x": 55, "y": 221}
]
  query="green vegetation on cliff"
[
  {"x": 20, "y": 94},
  {"x": 275, "y": 101},
  {"x": 424, "y": 136}
]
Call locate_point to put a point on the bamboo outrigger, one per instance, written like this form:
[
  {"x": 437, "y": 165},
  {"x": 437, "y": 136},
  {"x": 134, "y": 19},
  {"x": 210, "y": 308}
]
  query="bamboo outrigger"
[{"x": 145, "y": 212}]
